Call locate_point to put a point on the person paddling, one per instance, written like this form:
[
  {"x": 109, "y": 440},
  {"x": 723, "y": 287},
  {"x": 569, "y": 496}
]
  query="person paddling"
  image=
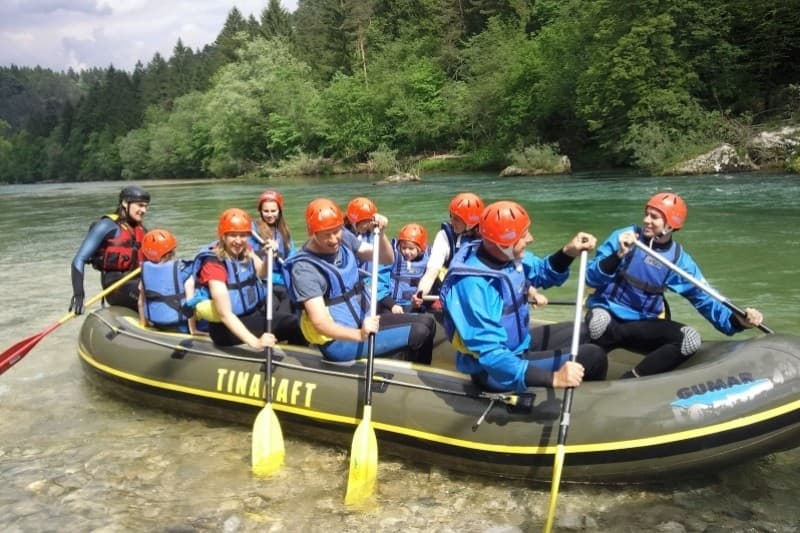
[
  {"x": 324, "y": 279},
  {"x": 486, "y": 314},
  {"x": 359, "y": 220},
  {"x": 231, "y": 273},
  {"x": 270, "y": 228},
  {"x": 624, "y": 311}
]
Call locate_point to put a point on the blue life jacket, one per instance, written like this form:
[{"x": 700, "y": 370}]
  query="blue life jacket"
[
  {"x": 384, "y": 271},
  {"x": 285, "y": 249},
  {"x": 245, "y": 290},
  {"x": 346, "y": 299},
  {"x": 511, "y": 283},
  {"x": 405, "y": 275},
  {"x": 164, "y": 292},
  {"x": 641, "y": 280},
  {"x": 456, "y": 242}
]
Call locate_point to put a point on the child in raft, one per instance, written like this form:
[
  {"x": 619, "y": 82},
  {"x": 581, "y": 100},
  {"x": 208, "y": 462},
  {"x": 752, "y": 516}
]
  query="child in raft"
[{"x": 166, "y": 285}]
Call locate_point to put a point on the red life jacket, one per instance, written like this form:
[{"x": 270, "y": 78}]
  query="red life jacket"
[{"x": 122, "y": 252}]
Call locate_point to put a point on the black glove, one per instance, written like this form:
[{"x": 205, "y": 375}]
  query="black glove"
[{"x": 76, "y": 304}]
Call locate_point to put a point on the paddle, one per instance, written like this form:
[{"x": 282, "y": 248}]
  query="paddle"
[
  {"x": 566, "y": 408},
  {"x": 435, "y": 298},
  {"x": 268, "y": 450},
  {"x": 364, "y": 451},
  {"x": 697, "y": 283},
  {"x": 13, "y": 355}
]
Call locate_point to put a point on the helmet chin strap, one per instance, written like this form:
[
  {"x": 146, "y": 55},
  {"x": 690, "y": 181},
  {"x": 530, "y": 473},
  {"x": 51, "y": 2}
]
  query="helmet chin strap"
[
  {"x": 508, "y": 251},
  {"x": 664, "y": 233}
]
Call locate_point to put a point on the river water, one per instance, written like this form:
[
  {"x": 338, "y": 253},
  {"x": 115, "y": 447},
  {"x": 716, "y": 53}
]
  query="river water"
[{"x": 75, "y": 459}]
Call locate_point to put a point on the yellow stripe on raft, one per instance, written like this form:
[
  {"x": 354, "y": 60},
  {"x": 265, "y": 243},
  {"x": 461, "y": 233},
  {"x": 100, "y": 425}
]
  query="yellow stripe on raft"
[{"x": 461, "y": 443}]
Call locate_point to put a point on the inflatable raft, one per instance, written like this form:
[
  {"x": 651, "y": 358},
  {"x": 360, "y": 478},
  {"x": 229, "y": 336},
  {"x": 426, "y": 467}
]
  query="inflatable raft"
[{"x": 732, "y": 401}]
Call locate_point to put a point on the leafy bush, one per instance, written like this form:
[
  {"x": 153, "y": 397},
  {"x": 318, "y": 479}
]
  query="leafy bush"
[
  {"x": 384, "y": 160},
  {"x": 537, "y": 156}
]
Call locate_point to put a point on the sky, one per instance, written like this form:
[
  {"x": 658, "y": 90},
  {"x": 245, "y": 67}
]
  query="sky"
[{"x": 59, "y": 34}]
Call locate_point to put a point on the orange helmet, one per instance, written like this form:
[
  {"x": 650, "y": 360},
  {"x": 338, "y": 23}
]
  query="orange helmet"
[
  {"x": 234, "y": 221},
  {"x": 504, "y": 223},
  {"x": 414, "y": 233},
  {"x": 360, "y": 209},
  {"x": 323, "y": 214},
  {"x": 468, "y": 207},
  {"x": 270, "y": 196},
  {"x": 157, "y": 243},
  {"x": 671, "y": 206}
]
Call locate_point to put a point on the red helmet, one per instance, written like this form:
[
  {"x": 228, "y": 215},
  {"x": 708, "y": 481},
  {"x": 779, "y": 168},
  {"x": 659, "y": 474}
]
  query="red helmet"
[
  {"x": 323, "y": 214},
  {"x": 468, "y": 207},
  {"x": 671, "y": 206},
  {"x": 414, "y": 233},
  {"x": 360, "y": 209},
  {"x": 270, "y": 196},
  {"x": 157, "y": 243},
  {"x": 234, "y": 221},
  {"x": 504, "y": 223}
]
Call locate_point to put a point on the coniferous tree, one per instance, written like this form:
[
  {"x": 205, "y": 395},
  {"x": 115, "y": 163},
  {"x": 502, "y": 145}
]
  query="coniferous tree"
[{"x": 275, "y": 21}]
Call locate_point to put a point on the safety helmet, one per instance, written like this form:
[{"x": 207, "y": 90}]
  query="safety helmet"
[
  {"x": 671, "y": 206},
  {"x": 504, "y": 223},
  {"x": 323, "y": 214},
  {"x": 414, "y": 233},
  {"x": 234, "y": 220},
  {"x": 133, "y": 193},
  {"x": 157, "y": 243},
  {"x": 360, "y": 208},
  {"x": 270, "y": 196},
  {"x": 468, "y": 207}
]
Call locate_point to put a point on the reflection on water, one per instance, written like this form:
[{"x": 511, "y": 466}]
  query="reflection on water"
[{"x": 73, "y": 459}]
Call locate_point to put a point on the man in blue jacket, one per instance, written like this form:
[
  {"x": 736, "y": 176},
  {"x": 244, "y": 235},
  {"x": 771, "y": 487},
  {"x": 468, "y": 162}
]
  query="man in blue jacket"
[
  {"x": 625, "y": 309},
  {"x": 485, "y": 302}
]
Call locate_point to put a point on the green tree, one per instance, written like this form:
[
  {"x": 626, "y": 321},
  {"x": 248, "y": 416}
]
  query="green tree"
[
  {"x": 266, "y": 89},
  {"x": 275, "y": 21}
]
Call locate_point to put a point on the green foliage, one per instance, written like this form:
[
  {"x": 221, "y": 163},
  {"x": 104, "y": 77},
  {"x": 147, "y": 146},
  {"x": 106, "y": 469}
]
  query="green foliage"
[
  {"x": 383, "y": 160},
  {"x": 644, "y": 84},
  {"x": 300, "y": 164},
  {"x": 349, "y": 114},
  {"x": 794, "y": 164},
  {"x": 543, "y": 157}
]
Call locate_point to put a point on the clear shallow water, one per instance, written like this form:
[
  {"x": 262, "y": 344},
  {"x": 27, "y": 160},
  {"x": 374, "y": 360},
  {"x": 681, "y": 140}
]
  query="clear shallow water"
[{"x": 73, "y": 459}]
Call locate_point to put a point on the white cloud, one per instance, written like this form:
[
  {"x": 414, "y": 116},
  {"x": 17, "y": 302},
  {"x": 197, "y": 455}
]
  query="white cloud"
[{"x": 61, "y": 34}]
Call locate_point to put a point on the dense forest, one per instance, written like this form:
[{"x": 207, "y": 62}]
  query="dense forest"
[{"x": 609, "y": 83}]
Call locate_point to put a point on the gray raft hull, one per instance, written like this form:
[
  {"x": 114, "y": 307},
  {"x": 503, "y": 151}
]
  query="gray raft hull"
[{"x": 733, "y": 401}]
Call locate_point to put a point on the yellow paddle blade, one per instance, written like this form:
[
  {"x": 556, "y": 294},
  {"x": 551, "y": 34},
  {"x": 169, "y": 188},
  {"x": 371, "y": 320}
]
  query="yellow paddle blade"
[
  {"x": 557, "y": 465},
  {"x": 363, "y": 462},
  {"x": 268, "y": 450}
]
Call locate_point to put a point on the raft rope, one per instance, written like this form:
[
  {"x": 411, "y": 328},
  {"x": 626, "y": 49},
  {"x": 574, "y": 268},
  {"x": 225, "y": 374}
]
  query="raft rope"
[{"x": 511, "y": 400}]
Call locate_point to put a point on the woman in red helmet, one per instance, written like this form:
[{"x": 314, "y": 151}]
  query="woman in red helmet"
[
  {"x": 629, "y": 287},
  {"x": 167, "y": 283},
  {"x": 463, "y": 227},
  {"x": 324, "y": 280},
  {"x": 486, "y": 316},
  {"x": 271, "y": 227},
  {"x": 231, "y": 272}
]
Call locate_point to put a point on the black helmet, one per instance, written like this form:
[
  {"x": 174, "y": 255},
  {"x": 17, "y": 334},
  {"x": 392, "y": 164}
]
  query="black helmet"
[{"x": 133, "y": 193}]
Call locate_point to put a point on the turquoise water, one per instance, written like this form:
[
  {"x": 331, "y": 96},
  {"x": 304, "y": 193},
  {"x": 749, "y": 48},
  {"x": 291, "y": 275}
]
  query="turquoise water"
[{"x": 73, "y": 457}]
